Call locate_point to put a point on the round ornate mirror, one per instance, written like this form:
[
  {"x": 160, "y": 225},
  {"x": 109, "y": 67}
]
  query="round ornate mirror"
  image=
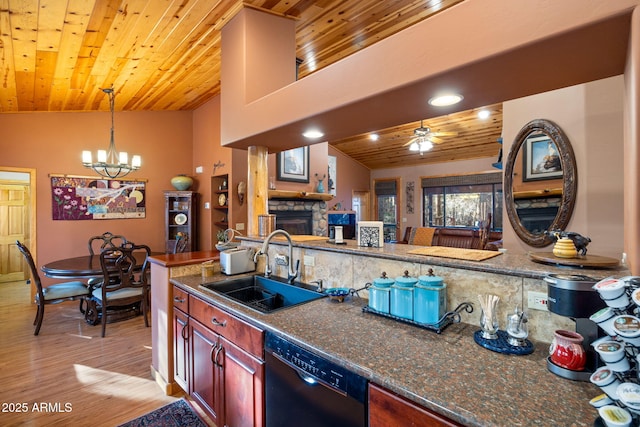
[{"x": 540, "y": 182}]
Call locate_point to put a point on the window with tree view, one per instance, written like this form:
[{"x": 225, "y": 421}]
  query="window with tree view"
[
  {"x": 387, "y": 207},
  {"x": 463, "y": 205}
]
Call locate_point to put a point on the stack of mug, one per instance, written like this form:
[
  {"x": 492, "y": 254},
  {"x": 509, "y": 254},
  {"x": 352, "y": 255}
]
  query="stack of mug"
[{"x": 620, "y": 351}]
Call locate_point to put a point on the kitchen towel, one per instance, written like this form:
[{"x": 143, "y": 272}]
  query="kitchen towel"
[{"x": 455, "y": 253}]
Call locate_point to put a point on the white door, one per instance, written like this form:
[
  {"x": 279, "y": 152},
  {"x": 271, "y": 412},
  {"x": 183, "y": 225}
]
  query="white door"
[{"x": 360, "y": 204}]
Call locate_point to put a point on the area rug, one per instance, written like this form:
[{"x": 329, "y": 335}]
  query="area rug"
[{"x": 176, "y": 414}]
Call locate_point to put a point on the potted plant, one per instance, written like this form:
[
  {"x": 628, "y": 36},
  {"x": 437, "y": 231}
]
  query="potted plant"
[{"x": 225, "y": 239}]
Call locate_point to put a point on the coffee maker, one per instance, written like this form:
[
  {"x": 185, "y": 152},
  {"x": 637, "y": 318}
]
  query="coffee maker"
[{"x": 573, "y": 296}]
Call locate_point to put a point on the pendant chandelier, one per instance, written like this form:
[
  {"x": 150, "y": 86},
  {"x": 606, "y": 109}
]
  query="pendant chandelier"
[{"x": 110, "y": 163}]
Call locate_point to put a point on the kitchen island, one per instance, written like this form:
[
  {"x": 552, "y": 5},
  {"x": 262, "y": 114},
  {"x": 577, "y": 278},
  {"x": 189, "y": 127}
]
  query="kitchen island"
[{"x": 447, "y": 373}]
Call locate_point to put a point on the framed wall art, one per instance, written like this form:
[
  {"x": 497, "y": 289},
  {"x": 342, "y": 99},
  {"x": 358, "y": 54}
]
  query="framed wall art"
[
  {"x": 331, "y": 174},
  {"x": 86, "y": 198},
  {"x": 370, "y": 234},
  {"x": 540, "y": 159},
  {"x": 293, "y": 165}
]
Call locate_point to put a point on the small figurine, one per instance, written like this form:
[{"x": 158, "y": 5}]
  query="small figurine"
[{"x": 579, "y": 241}]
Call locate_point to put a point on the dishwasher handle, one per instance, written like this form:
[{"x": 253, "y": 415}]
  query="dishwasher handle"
[{"x": 309, "y": 379}]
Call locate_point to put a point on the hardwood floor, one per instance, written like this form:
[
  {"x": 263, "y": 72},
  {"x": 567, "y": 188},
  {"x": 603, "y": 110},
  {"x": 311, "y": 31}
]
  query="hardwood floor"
[{"x": 68, "y": 375}]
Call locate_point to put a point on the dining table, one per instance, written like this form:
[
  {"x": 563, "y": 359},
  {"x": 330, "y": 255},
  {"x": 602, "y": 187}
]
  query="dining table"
[
  {"x": 88, "y": 267},
  {"x": 81, "y": 267}
]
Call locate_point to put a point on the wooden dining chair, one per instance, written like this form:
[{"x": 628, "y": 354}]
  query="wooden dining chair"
[
  {"x": 106, "y": 240},
  {"x": 98, "y": 244},
  {"x": 52, "y": 294},
  {"x": 125, "y": 284}
]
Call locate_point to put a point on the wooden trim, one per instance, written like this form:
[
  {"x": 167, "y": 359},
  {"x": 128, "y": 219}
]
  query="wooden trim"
[
  {"x": 533, "y": 194},
  {"x": 101, "y": 178},
  {"x": 33, "y": 214},
  {"x": 284, "y": 194}
]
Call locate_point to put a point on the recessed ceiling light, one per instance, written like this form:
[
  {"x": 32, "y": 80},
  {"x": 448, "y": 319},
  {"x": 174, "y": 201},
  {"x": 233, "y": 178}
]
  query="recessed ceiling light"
[
  {"x": 313, "y": 133},
  {"x": 484, "y": 114},
  {"x": 445, "y": 100},
  {"x": 374, "y": 136}
]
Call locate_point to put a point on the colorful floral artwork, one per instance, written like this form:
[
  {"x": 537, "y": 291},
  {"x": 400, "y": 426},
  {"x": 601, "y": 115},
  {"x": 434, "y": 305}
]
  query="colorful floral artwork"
[{"x": 79, "y": 198}]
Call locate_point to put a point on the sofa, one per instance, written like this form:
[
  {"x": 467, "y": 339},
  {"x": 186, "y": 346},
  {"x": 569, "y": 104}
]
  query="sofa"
[{"x": 453, "y": 237}]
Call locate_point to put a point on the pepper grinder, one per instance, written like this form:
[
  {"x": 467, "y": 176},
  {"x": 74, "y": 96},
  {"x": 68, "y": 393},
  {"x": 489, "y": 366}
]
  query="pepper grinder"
[{"x": 517, "y": 328}]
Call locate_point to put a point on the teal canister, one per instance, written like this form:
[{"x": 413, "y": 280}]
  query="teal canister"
[
  {"x": 429, "y": 299},
  {"x": 402, "y": 296},
  {"x": 380, "y": 293}
]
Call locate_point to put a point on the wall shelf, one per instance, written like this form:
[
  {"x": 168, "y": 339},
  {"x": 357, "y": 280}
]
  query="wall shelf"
[
  {"x": 303, "y": 195},
  {"x": 180, "y": 217}
]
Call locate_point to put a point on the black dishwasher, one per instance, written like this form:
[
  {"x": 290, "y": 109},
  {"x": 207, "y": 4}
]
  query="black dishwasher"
[{"x": 302, "y": 388}]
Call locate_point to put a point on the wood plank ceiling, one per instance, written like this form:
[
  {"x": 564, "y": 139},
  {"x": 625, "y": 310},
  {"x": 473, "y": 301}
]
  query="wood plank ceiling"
[{"x": 165, "y": 55}]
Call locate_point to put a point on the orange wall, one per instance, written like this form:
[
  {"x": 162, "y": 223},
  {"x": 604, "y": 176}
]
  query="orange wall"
[
  {"x": 52, "y": 143},
  {"x": 207, "y": 153},
  {"x": 389, "y": 82},
  {"x": 351, "y": 175},
  {"x": 591, "y": 116}
]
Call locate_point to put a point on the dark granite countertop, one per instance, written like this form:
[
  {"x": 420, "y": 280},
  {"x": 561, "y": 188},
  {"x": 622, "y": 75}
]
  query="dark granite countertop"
[
  {"x": 447, "y": 373},
  {"x": 511, "y": 264}
]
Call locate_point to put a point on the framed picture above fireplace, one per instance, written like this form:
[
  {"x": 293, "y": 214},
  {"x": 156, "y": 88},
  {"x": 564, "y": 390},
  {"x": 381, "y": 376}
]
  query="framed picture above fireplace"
[
  {"x": 541, "y": 160},
  {"x": 293, "y": 165}
]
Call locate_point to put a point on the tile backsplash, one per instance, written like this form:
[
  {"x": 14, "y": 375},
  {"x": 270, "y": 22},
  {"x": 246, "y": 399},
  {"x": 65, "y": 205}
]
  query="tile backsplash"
[{"x": 355, "y": 271}]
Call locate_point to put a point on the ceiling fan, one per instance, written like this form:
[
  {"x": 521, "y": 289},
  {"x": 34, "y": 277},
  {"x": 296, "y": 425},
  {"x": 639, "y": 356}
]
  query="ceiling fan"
[{"x": 424, "y": 139}]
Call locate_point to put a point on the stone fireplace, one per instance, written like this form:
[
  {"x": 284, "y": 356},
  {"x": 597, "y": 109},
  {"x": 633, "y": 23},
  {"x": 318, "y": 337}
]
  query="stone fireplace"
[
  {"x": 537, "y": 215},
  {"x": 300, "y": 216}
]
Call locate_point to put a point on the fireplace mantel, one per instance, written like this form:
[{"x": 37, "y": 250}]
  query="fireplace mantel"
[{"x": 301, "y": 195}]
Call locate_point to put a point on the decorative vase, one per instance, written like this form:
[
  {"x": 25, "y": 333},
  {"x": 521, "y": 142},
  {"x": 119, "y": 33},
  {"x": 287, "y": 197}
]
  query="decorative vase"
[
  {"x": 564, "y": 248},
  {"x": 566, "y": 350},
  {"x": 320, "y": 187},
  {"x": 182, "y": 182}
]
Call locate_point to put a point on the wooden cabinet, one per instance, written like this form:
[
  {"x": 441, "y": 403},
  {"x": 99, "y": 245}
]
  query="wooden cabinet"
[
  {"x": 181, "y": 337},
  {"x": 180, "y": 219},
  {"x": 243, "y": 386},
  {"x": 389, "y": 409},
  {"x": 205, "y": 379},
  {"x": 222, "y": 357}
]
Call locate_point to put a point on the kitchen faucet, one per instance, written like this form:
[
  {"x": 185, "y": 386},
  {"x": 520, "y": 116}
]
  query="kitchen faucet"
[{"x": 292, "y": 274}]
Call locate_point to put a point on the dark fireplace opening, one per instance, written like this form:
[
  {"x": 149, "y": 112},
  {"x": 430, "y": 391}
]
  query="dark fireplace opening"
[
  {"x": 537, "y": 220},
  {"x": 294, "y": 222}
]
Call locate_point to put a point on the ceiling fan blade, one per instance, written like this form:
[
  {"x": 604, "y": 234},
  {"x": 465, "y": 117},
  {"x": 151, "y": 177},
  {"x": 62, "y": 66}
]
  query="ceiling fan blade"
[
  {"x": 411, "y": 141},
  {"x": 435, "y": 139},
  {"x": 444, "y": 133}
]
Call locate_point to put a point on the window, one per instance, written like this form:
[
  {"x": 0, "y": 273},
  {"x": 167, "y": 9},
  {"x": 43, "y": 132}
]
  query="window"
[
  {"x": 386, "y": 208},
  {"x": 462, "y": 201}
]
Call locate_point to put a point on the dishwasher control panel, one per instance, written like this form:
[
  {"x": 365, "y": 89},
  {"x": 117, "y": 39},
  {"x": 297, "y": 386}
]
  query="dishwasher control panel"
[{"x": 316, "y": 366}]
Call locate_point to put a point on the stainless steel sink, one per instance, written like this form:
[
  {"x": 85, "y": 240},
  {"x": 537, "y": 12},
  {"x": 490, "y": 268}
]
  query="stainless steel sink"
[{"x": 264, "y": 294}]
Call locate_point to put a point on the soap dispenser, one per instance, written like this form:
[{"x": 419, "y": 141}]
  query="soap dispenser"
[{"x": 517, "y": 328}]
